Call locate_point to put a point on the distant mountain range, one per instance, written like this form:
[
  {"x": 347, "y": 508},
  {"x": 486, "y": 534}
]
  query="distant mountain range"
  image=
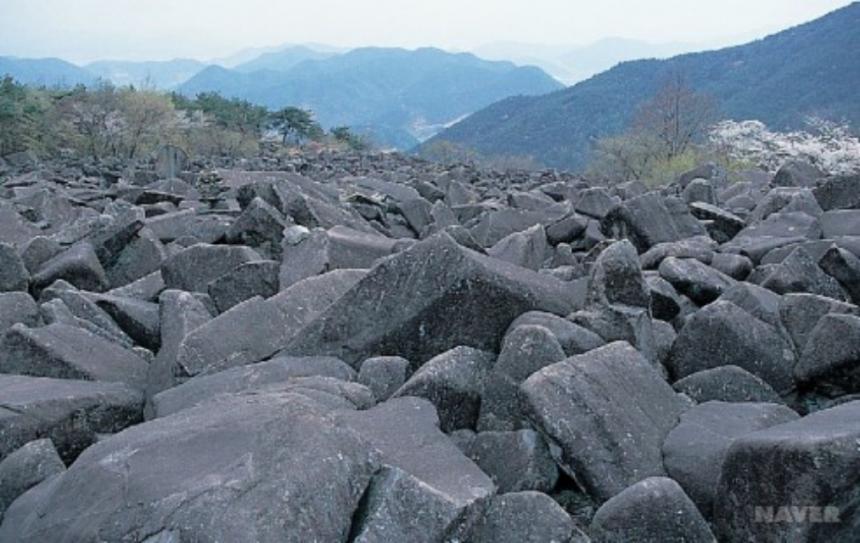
[
  {"x": 49, "y": 72},
  {"x": 811, "y": 69},
  {"x": 396, "y": 95}
]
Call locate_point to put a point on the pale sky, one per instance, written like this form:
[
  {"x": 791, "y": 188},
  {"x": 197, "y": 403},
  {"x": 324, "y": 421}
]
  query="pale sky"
[{"x": 84, "y": 30}]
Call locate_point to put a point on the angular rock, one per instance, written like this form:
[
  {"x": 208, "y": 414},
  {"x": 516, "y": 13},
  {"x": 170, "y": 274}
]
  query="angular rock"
[
  {"x": 735, "y": 266},
  {"x": 796, "y": 173},
  {"x": 694, "y": 451},
  {"x": 650, "y": 219},
  {"x": 195, "y": 267},
  {"x": 383, "y": 375},
  {"x": 525, "y": 350},
  {"x": 260, "y": 226},
  {"x": 616, "y": 278},
  {"x": 279, "y": 370},
  {"x": 525, "y": 517},
  {"x": 251, "y": 279},
  {"x": 67, "y": 352},
  {"x": 405, "y": 432},
  {"x": 654, "y": 510},
  {"x": 139, "y": 319},
  {"x": 845, "y": 268},
  {"x": 595, "y": 202},
  {"x": 799, "y": 313},
  {"x": 574, "y": 339},
  {"x": 17, "y": 307},
  {"x": 726, "y": 384},
  {"x": 839, "y": 193},
  {"x": 722, "y": 334},
  {"x": 665, "y": 300},
  {"x": 701, "y": 248},
  {"x": 13, "y": 273},
  {"x": 249, "y": 332},
  {"x": 68, "y": 412},
  {"x": 800, "y": 273},
  {"x": 759, "y": 302},
  {"x": 831, "y": 357},
  {"x": 432, "y": 297},
  {"x": 77, "y": 265},
  {"x": 767, "y": 490},
  {"x": 700, "y": 282},
  {"x": 25, "y": 468},
  {"x": 776, "y": 231},
  {"x": 527, "y": 249},
  {"x": 516, "y": 461},
  {"x": 453, "y": 382},
  {"x": 605, "y": 415},
  {"x": 266, "y": 468}
]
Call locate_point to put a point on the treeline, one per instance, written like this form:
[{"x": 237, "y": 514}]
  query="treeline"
[{"x": 106, "y": 121}]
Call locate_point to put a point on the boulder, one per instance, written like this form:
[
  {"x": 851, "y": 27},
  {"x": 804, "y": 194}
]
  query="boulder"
[
  {"x": 797, "y": 173},
  {"x": 68, "y": 352},
  {"x": 70, "y": 413},
  {"x": 700, "y": 282},
  {"x": 605, "y": 415},
  {"x": 525, "y": 350},
  {"x": 13, "y": 273},
  {"x": 831, "y": 357},
  {"x": 453, "y": 382},
  {"x": 525, "y": 517},
  {"x": 428, "y": 299},
  {"x": 279, "y": 370},
  {"x": 654, "y": 510},
  {"x": 17, "y": 307},
  {"x": 845, "y": 268},
  {"x": 192, "y": 269},
  {"x": 260, "y": 226},
  {"x": 516, "y": 461},
  {"x": 650, "y": 219},
  {"x": 383, "y": 375},
  {"x": 701, "y": 248},
  {"x": 25, "y": 468},
  {"x": 77, "y": 265},
  {"x": 722, "y": 334},
  {"x": 267, "y": 467},
  {"x": 800, "y": 313},
  {"x": 841, "y": 192},
  {"x": 800, "y": 273},
  {"x": 259, "y": 278},
  {"x": 405, "y": 432},
  {"x": 616, "y": 278},
  {"x": 694, "y": 451},
  {"x": 775, "y": 487},
  {"x": 574, "y": 339},
  {"x": 527, "y": 249},
  {"x": 726, "y": 384}
]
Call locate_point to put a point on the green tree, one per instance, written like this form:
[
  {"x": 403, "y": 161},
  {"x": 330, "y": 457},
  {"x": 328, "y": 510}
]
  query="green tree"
[
  {"x": 296, "y": 123},
  {"x": 345, "y": 136}
]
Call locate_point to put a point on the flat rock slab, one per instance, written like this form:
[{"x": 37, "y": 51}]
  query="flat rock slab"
[
  {"x": 69, "y": 412},
  {"x": 428, "y": 299},
  {"x": 199, "y": 389},
  {"x": 68, "y": 352},
  {"x": 607, "y": 412},
  {"x": 264, "y": 468}
]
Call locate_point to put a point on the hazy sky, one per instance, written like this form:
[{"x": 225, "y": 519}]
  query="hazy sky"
[{"x": 83, "y": 30}]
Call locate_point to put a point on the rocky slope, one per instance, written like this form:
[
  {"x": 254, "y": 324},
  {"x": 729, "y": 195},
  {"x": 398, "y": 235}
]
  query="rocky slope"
[{"x": 338, "y": 347}]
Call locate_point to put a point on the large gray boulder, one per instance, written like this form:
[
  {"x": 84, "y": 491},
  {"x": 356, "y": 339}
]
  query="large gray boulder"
[
  {"x": 525, "y": 517},
  {"x": 453, "y": 382},
  {"x": 694, "y": 451},
  {"x": 405, "y": 432},
  {"x": 726, "y": 384},
  {"x": 13, "y": 273},
  {"x": 266, "y": 468},
  {"x": 67, "y": 352},
  {"x": 699, "y": 282},
  {"x": 192, "y": 269},
  {"x": 516, "y": 461},
  {"x": 831, "y": 358},
  {"x": 25, "y": 468},
  {"x": 279, "y": 370},
  {"x": 651, "y": 219},
  {"x": 78, "y": 265},
  {"x": 69, "y": 412},
  {"x": 605, "y": 415},
  {"x": 722, "y": 334},
  {"x": 17, "y": 307},
  {"x": 793, "y": 482},
  {"x": 428, "y": 299},
  {"x": 654, "y": 510}
]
